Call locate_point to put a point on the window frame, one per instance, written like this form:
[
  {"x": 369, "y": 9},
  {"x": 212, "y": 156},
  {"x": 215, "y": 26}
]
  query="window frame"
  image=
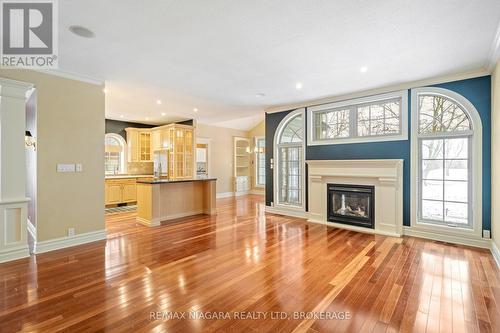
[
  {"x": 352, "y": 105},
  {"x": 257, "y": 165},
  {"x": 123, "y": 157},
  {"x": 276, "y": 160},
  {"x": 447, "y": 229}
]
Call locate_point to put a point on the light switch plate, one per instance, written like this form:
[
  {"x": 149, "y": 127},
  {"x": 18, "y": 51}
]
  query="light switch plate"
[
  {"x": 79, "y": 167},
  {"x": 65, "y": 168}
]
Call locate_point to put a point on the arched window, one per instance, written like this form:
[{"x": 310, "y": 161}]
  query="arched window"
[
  {"x": 289, "y": 157},
  {"x": 446, "y": 132},
  {"x": 114, "y": 154}
]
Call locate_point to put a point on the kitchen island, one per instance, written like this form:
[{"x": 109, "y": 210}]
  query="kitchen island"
[{"x": 160, "y": 200}]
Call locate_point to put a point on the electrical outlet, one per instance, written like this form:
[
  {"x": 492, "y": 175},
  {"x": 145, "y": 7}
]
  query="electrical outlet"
[
  {"x": 71, "y": 231},
  {"x": 65, "y": 168},
  {"x": 486, "y": 234}
]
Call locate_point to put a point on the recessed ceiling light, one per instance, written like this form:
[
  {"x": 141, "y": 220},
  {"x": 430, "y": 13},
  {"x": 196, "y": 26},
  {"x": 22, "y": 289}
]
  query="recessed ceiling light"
[
  {"x": 105, "y": 90},
  {"x": 121, "y": 116},
  {"x": 195, "y": 110},
  {"x": 298, "y": 85},
  {"x": 163, "y": 114},
  {"x": 260, "y": 95},
  {"x": 158, "y": 101},
  {"x": 363, "y": 69},
  {"x": 147, "y": 118},
  {"x": 81, "y": 31}
]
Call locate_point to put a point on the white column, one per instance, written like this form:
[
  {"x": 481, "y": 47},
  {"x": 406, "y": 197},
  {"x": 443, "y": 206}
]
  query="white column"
[{"x": 13, "y": 201}]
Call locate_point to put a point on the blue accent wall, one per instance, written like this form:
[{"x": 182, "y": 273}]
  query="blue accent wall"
[{"x": 476, "y": 90}]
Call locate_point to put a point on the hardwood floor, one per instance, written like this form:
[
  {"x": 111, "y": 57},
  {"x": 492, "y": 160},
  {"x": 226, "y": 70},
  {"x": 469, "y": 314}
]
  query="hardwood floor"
[{"x": 251, "y": 264}]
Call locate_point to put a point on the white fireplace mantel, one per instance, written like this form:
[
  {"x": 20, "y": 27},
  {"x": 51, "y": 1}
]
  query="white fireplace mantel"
[{"x": 387, "y": 177}]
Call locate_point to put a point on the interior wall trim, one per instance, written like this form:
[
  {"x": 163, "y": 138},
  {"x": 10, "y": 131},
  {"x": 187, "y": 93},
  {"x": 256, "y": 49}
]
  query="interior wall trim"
[
  {"x": 495, "y": 252},
  {"x": 14, "y": 253},
  {"x": 31, "y": 230},
  {"x": 224, "y": 195},
  {"x": 446, "y": 237},
  {"x": 286, "y": 212},
  {"x": 72, "y": 76},
  {"x": 382, "y": 90},
  {"x": 64, "y": 242}
]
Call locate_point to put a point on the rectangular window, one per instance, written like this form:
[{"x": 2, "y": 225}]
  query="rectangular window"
[
  {"x": 290, "y": 175},
  {"x": 375, "y": 118},
  {"x": 444, "y": 181},
  {"x": 260, "y": 162}
]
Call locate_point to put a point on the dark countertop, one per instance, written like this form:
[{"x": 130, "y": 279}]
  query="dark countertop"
[{"x": 165, "y": 181}]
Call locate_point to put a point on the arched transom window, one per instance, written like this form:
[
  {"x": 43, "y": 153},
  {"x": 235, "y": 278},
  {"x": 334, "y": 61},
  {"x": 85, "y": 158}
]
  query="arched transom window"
[
  {"x": 445, "y": 136},
  {"x": 114, "y": 154},
  {"x": 289, "y": 156}
]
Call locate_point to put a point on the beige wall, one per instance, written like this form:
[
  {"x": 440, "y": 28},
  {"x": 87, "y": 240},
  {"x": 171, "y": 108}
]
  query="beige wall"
[
  {"x": 495, "y": 154},
  {"x": 70, "y": 130},
  {"x": 221, "y": 144}
]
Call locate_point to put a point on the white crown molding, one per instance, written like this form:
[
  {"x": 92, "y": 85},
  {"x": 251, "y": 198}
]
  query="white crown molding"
[
  {"x": 495, "y": 252},
  {"x": 494, "y": 54},
  {"x": 72, "y": 76},
  {"x": 381, "y": 90},
  {"x": 64, "y": 242}
]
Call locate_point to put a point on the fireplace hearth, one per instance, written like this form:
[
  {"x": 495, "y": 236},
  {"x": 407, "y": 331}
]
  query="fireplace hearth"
[{"x": 351, "y": 204}]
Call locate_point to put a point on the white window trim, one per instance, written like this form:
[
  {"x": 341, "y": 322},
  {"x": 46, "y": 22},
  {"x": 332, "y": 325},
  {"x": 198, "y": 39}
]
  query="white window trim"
[
  {"x": 208, "y": 142},
  {"x": 256, "y": 164},
  {"x": 123, "y": 166},
  {"x": 477, "y": 167},
  {"x": 311, "y": 111},
  {"x": 276, "y": 166}
]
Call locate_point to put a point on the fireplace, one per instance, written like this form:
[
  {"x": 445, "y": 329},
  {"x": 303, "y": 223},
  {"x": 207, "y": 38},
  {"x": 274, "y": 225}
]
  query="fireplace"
[{"x": 351, "y": 204}]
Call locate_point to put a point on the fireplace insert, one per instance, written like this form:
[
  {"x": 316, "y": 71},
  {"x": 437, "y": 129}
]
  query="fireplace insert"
[{"x": 351, "y": 204}]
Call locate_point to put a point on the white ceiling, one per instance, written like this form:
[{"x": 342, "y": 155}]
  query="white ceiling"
[{"x": 217, "y": 55}]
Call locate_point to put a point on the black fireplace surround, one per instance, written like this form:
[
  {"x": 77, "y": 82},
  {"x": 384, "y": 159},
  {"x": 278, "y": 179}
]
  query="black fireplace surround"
[{"x": 351, "y": 204}]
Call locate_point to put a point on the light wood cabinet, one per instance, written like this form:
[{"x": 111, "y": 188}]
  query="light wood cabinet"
[
  {"x": 140, "y": 147},
  {"x": 157, "y": 140},
  {"x": 113, "y": 193},
  {"x": 178, "y": 140},
  {"x": 181, "y": 153},
  {"x": 241, "y": 164},
  {"x": 118, "y": 191}
]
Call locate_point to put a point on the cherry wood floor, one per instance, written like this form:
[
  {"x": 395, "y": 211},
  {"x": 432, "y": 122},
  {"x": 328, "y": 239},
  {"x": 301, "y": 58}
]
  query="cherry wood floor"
[{"x": 254, "y": 265}]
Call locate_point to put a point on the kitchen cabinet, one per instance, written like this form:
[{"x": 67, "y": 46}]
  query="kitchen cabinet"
[
  {"x": 181, "y": 153},
  {"x": 139, "y": 145},
  {"x": 118, "y": 191},
  {"x": 178, "y": 140}
]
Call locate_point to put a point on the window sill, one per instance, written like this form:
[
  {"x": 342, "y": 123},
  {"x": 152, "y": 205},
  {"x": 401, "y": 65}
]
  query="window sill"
[
  {"x": 446, "y": 230},
  {"x": 367, "y": 139}
]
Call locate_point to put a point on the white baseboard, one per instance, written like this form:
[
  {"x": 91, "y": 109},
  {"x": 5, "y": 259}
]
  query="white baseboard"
[
  {"x": 469, "y": 241},
  {"x": 257, "y": 192},
  {"x": 64, "y": 242},
  {"x": 495, "y": 252},
  {"x": 286, "y": 212},
  {"x": 224, "y": 195},
  {"x": 239, "y": 194},
  {"x": 14, "y": 253},
  {"x": 355, "y": 228}
]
